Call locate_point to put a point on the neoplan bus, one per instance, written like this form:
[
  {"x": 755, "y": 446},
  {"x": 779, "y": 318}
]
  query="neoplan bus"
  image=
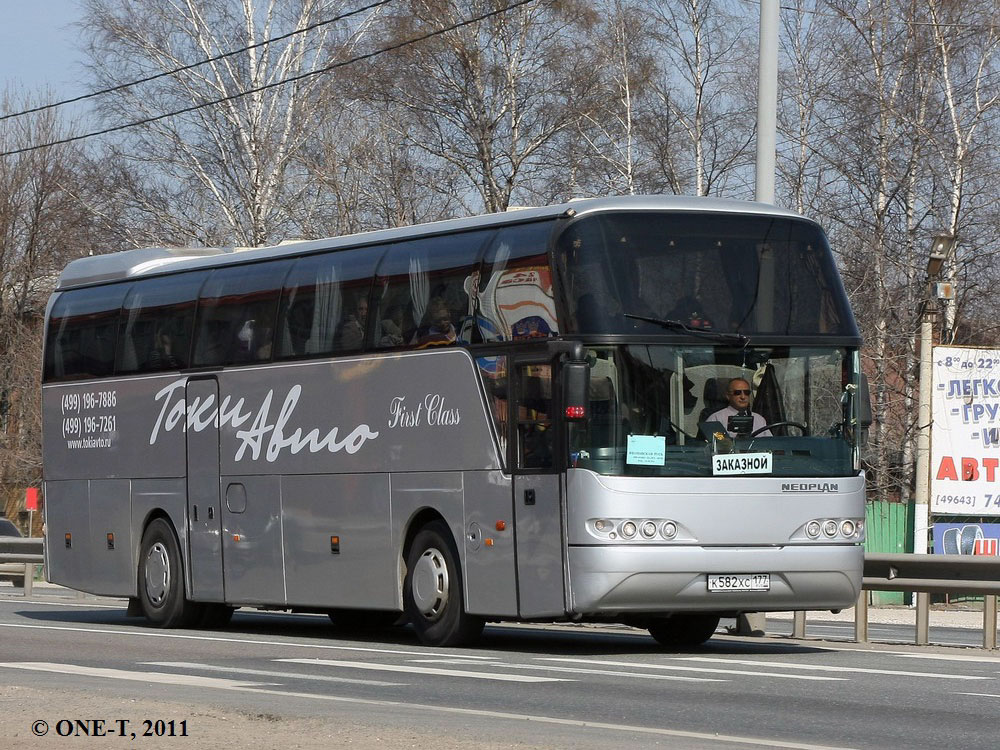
[{"x": 496, "y": 418}]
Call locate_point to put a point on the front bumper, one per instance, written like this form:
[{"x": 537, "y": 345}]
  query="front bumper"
[{"x": 611, "y": 580}]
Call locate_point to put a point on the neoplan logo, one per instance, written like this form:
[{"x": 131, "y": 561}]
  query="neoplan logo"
[{"x": 810, "y": 487}]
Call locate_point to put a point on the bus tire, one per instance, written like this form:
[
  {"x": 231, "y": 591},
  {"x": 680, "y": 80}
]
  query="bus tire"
[
  {"x": 432, "y": 590},
  {"x": 684, "y": 629},
  {"x": 161, "y": 579}
]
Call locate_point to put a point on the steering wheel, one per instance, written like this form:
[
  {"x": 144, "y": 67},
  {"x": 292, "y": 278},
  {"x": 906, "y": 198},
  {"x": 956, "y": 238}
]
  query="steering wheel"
[{"x": 802, "y": 427}]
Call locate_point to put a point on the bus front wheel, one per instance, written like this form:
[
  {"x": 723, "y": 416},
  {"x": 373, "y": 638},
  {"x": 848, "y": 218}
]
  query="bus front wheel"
[
  {"x": 432, "y": 590},
  {"x": 161, "y": 579},
  {"x": 684, "y": 629}
]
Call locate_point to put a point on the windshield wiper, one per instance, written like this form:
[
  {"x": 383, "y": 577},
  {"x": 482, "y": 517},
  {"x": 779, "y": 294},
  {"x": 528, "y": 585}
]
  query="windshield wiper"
[{"x": 676, "y": 325}]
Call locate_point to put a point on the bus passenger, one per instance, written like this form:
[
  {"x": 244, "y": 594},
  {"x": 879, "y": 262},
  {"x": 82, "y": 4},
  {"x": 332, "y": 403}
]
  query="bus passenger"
[
  {"x": 352, "y": 334},
  {"x": 392, "y": 328},
  {"x": 162, "y": 356},
  {"x": 738, "y": 395},
  {"x": 437, "y": 328}
]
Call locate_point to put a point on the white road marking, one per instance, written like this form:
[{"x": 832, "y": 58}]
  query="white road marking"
[
  {"x": 679, "y": 668},
  {"x": 945, "y": 657},
  {"x": 479, "y": 713},
  {"x": 630, "y": 675},
  {"x": 424, "y": 670},
  {"x": 87, "y": 604},
  {"x": 455, "y": 660},
  {"x": 222, "y": 639},
  {"x": 820, "y": 668},
  {"x": 162, "y": 678},
  {"x": 266, "y": 673},
  {"x": 980, "y": 695}
]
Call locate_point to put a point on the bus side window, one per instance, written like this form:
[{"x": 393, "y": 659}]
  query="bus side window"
[
  {"x": 324, "y": 303},
  {"x": 422, "y": 288},
  {"x": 535, "y": 435},
  {"x": 158, "y": 323},
  {"x": 493, "y": 371},
  {"x": 83, "y": 333},
  {"x": 236, "y": 314},
  {"x": 514, "y": 297}
]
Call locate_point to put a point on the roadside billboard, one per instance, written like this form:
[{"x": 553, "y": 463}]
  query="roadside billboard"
[
  {"x": 965, "y": 436},
  {"x": 967, "y": 538}
]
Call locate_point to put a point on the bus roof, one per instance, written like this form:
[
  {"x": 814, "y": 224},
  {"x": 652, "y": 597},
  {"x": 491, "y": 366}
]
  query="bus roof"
[{"x": 111, "y": 267}]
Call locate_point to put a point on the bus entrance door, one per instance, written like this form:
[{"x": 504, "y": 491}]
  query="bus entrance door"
[
  {"x": 537, "y": 496},
  {"x": 204, "y": 516}
]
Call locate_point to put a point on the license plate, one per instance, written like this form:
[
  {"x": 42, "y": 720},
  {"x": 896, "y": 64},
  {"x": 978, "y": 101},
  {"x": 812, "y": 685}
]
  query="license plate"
[{"x": 740, "y": 582}]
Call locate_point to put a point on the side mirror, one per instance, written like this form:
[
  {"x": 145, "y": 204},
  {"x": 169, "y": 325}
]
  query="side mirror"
[
  {"x": 865, "y": 406},
  {"x": 576, "y": 389}
]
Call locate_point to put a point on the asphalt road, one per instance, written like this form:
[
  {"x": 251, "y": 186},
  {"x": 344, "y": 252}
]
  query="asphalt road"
[{"x": 579, "y": 687}]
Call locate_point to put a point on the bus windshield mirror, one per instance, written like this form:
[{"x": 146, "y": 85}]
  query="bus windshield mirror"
[{"x": 676, "y": 325}]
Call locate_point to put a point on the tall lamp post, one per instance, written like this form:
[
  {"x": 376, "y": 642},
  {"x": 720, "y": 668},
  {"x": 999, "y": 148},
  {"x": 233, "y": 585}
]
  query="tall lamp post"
[{"x": 941, "y": 249}]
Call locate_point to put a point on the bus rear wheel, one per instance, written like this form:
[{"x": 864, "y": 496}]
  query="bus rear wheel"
[
  {"x": 161, "y": 579},
  {"x": 432, "y": 590},
  {"x": 684, "y": 629}
]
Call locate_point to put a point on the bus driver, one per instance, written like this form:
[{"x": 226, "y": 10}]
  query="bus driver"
[{"x": 738, "y": 395}]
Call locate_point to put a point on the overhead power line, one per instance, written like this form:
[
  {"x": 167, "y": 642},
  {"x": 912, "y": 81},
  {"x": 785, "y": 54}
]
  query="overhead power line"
[
  {"x": 206, "y": 61},
  {"x": 275, "y": 84}
]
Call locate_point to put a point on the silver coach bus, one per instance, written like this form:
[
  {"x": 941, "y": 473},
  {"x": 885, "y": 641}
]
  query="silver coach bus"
[{"x": 505, "y": 417}]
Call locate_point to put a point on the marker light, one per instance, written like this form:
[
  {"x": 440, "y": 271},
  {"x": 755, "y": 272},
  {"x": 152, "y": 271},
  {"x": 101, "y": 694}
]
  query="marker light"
[{"x": 575, "y": 412}]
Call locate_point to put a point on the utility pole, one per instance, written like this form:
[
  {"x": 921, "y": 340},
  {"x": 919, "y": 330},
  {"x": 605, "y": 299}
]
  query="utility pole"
[
  {"x": 767, "y": 101},
  {"x": 942, "y": 247},
  {"x": 767, "y": 143}
]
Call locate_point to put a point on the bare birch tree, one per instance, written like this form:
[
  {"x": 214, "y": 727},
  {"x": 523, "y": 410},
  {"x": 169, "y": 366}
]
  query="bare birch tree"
[
  {"x": 809, "y": 40},
  {"x": 489, "y": 99},
  {"x": 966, "y": 44},
  {"x": 227, "y": 171},
  {"x": 610, "y": 128},
  {"x": 43, "y": 224},
  {"x": 705, "y": 76},
  {"x": 871, "y": 148},
  {"x": 372, "y": 177}
]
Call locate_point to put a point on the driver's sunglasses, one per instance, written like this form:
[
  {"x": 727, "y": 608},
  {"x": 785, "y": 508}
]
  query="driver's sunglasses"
[{"x": 740, "y": 392}]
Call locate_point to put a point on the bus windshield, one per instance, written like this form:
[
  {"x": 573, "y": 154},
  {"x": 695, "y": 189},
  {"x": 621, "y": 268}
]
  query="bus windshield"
[
  {"x": 641, "y": 274},
  {"x": 660, "y": 410}
]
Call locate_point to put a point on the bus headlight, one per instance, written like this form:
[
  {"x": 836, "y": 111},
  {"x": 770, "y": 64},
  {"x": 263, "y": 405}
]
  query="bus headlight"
[
  {"x": 635, "y": 529},
  {"x": 850, "y": 529}
]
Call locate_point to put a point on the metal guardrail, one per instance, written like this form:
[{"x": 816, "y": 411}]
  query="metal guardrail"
[
  {"x": 925, "y": 575},
  {"x": 28, "y": 551}
]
